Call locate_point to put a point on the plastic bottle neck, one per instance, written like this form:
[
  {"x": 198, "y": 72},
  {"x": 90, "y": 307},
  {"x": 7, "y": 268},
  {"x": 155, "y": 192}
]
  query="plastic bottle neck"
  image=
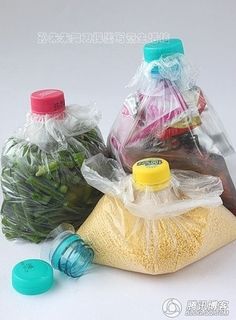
[{"x": 151, "y": 188}]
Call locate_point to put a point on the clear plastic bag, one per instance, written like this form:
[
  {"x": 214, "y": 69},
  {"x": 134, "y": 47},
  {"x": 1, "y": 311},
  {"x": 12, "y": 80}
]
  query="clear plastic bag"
[
  {"x": 168, "y": 116},
  {"x": 41, "y": 179},
  {"x": 188, "y": 189},
  {"x": 154, "y": 231}
]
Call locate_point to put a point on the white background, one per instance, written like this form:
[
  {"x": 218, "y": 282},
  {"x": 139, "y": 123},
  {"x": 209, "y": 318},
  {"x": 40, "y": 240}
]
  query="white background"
[{"x": 99, "y": 72}]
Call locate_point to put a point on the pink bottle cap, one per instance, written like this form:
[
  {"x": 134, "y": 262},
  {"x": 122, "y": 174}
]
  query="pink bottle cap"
[{"x": 47, "y": 101}]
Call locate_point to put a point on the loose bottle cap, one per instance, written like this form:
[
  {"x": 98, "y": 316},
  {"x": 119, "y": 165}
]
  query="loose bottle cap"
[
  {"x": 163, "y": 48},
  {"x": 47, "y": 101},
  {"x": 151, "y": 172},
  {"x": 32, "y": 276}
]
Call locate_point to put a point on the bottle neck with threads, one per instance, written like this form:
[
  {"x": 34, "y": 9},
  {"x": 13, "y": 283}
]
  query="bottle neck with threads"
[{"x": 67, "y": 252}]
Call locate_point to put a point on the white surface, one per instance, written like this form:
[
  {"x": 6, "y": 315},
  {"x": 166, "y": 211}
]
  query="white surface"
[
  {"x": 107, "y": 293},
  {"x": 99, "y": 72}
]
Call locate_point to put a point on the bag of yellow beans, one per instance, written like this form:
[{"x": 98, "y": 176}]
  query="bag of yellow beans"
[{"x": 154, "y": 221}]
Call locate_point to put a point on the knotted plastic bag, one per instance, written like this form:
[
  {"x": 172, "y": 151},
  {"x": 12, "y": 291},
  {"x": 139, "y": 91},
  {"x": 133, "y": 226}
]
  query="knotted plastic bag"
[
  {"x": 41, "y": 179},
  {"x": 154, "y": 232},
  {"x": 167, "y": 115}
]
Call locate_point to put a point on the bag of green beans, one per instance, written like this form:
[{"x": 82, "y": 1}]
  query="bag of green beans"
[{"x": 41, "y": 179}]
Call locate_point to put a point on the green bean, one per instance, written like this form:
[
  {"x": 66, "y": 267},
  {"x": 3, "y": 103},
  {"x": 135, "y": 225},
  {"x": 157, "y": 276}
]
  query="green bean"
[{"x": 43, "y": 189}]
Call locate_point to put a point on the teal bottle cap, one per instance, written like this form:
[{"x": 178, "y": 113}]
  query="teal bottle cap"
[
  {"x": 32, "y": 276},
  {"x": 163, "y": 48}
]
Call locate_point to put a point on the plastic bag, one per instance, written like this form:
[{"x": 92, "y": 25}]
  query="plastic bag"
[
  {"x": 152, "y": 231},
  {"x": 41, "y": 179},
  {"x": 168, "y": 116}
]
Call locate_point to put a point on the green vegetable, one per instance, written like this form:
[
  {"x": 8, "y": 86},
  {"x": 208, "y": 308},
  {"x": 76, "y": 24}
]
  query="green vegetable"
[
  {"x": 43, "y": 170},
  {"x": 43, "y": 189}
]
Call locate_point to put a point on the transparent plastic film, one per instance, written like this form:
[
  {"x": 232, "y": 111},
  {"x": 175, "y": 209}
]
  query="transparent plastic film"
[
  {"x": 187, "y": 189},
  {"x": 41, "y": 178},
  {"x": 155, "y": 230},
  {"x": 51, "y": 132},
  {"x": 167, "y": 115}
]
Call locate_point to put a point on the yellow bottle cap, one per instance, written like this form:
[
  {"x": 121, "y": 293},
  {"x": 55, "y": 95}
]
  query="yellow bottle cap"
[{"x": 151, "y": 172}]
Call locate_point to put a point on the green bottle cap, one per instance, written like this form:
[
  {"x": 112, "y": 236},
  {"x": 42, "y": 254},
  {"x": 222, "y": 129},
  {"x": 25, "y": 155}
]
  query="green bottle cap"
[
  {"x": 32, "y": 276},
  {"x": 163, "y": 48}
]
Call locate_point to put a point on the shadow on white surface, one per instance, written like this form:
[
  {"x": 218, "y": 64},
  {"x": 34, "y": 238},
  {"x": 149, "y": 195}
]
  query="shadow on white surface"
[{"x": 107, "y": 293}]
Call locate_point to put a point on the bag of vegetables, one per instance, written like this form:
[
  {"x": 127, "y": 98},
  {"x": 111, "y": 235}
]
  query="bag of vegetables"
[{"x": 41, "y": 178}]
